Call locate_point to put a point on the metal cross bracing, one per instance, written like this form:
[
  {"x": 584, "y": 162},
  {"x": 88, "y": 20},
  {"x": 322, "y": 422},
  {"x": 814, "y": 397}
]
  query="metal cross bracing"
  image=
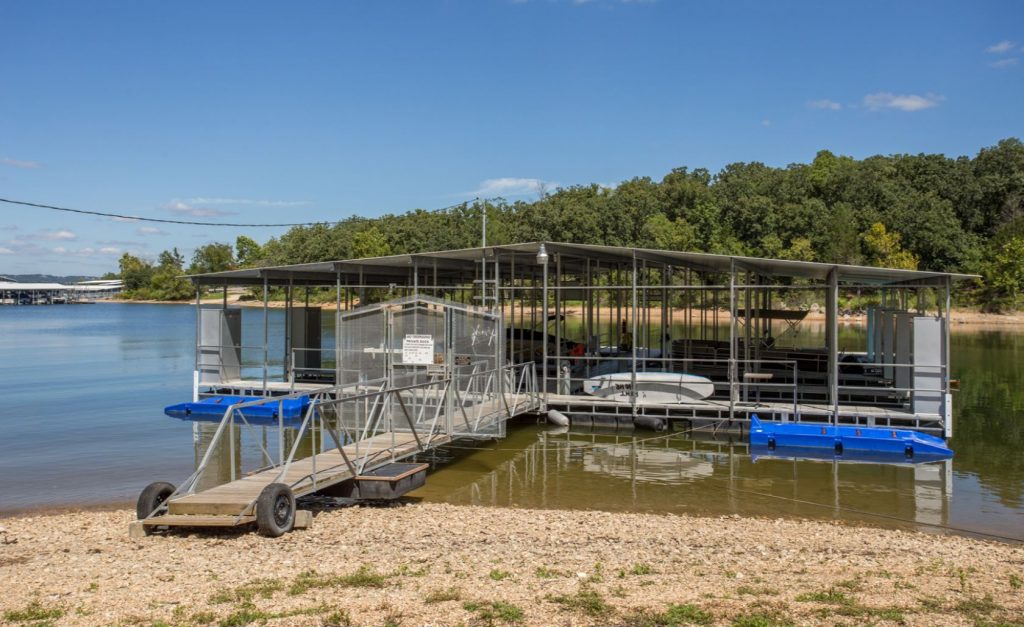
[{"x": 413, "y": 374}]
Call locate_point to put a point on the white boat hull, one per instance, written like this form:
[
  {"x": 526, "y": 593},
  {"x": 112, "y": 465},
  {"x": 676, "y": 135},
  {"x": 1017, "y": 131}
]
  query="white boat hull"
[{"x": 666, "y": 388}]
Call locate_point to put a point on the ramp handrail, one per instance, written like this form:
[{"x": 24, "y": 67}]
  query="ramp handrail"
[{"x": 376, "y": 411}]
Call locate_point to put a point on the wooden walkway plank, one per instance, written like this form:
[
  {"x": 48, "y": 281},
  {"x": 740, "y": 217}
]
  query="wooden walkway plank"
[{"x": 223, "y": 504}]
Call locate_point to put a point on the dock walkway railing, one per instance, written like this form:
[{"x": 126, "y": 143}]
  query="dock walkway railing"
[{"x": 368, "y": 424}]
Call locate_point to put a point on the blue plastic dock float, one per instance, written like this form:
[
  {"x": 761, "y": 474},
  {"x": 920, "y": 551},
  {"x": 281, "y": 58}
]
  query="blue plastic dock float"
[
  {"x": 215, "y": 406},
  {"x": 842, "y": 439},
  {"x": 759, "y": 452}
]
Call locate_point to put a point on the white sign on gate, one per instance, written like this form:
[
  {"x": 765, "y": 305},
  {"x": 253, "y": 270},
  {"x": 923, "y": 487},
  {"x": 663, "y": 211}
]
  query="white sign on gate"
[{"x": 418, "y": 349}]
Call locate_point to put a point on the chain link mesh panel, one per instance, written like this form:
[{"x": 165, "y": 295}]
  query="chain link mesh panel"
[{"x": 425, "y": 341}]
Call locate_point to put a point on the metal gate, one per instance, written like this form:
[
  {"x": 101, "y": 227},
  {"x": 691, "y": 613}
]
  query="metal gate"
[{"x": 446, "y": 357}]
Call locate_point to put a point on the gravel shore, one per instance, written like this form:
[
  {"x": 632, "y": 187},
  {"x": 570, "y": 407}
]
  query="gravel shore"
[{"x": 435, "y": 564}]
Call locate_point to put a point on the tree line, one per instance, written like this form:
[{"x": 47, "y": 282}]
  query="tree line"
[{"x": 925, "y": 211}]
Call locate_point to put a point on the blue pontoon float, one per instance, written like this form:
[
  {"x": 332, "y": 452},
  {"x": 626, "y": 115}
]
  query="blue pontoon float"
[
  {"x": 840, "y": 439},
  {"x": 214, "y": 407}
]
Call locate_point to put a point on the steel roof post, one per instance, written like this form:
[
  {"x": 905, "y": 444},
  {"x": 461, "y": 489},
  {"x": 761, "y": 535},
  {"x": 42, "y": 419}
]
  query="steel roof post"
[
  {"x": 833, "y": 343},
  {"x": 732, "y": 339},
  {"x": 266, "y": 330},
  {"x": 633, "y": 394}
]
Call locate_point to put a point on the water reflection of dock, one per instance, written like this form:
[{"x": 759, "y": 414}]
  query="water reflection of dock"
[{"x": 623, "y": 472}]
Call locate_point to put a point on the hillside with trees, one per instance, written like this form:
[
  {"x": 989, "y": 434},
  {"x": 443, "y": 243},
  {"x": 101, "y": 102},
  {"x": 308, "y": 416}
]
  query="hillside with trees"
[{"x": 924, "y": 211}]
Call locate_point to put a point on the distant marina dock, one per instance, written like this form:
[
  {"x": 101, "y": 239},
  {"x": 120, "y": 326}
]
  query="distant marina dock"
[{"x": 16, "y": 293}]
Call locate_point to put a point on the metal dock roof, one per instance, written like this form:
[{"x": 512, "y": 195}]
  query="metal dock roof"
[{"x": 451, "y": 264}]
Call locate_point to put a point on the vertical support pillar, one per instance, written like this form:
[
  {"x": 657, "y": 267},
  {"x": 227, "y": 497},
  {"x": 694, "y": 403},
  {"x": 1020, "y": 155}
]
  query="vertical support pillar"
[
  {"x": 510, "y": 334},
  {"x": 632, "y": 378},
  {"x": 947, "y": 399},
  {"x": 415, "y": 278},
  {"x": 558, "y": 322},
  {"x": 597, "y": 318},
  {"x": 732, "y": 339},
  {"x": 588, "y": 319},
  {"x": 337, "y": 327},
  {"x": 195, "y": 369},
  {"x": 833, "y": 343},
  {"x": 666, "y": 320},
  {"x": 544, "y": 366},
  {"x": 499, "y": 358},
  {"x": 289, "y": 301},
  {"x": 266, "y": 330},
  {"x": 749, "y": 321}
]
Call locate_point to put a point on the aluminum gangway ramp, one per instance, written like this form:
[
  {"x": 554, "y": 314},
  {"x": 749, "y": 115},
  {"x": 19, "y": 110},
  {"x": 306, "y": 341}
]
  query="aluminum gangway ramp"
[
  {"x": 354, "y": 434},
  {"x": 413, "y": 375}
]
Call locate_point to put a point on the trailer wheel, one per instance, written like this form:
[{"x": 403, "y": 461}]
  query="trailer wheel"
[
  {"x": 152, "y": 496},
  {"x": 275, "y": 510}
]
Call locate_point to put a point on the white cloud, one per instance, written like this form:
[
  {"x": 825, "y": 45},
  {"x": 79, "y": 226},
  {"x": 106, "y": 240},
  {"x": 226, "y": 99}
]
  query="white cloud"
[
  {"x": 61, "y": 235},
  {"x": 766, "y": 122},
  {"x": 909, "y": 102},
  {"x": 825, "y": 103},
  {"x": 510, "y": 186},
  {"x": 1007, "y": 62},
  {"x": 183, "y": 208},
  {"x": 19, "y": 163},
  {"x": 149, "y": 230},
  {"x": 245, "y": 201},
  {"x": 1001, "y": 48},
  {"x": 6, "y": 251},
  {"x": 88, "y": 251},
  {"x": 120, "y": 219}
]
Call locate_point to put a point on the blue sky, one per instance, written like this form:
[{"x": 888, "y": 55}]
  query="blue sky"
[{"x": 307, "y": 111}]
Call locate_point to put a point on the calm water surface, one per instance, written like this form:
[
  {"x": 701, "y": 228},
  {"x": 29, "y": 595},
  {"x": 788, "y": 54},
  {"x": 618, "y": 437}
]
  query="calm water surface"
[{"x": 83, "y": 387}]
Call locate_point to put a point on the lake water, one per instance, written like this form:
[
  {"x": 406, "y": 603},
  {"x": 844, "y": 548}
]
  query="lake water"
[{"x": 83, "y": 387}]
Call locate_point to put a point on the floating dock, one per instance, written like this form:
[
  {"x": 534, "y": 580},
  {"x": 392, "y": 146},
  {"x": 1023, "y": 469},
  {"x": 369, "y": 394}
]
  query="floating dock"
[{"x": 513, "y": 329}]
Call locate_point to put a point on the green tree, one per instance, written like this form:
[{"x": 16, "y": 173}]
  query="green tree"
[
  {"x": 884, "y": 250},
  {"x": 1004, "y": 275},
  {"x": 135, "y": 272},
  {"x": 214, "y": 257},
  {"x": 370, "y": 242},
  {"x": 248, "y": 252},
  {"x": 836, "y": 236},
  {"x": 800, "y": 249},
  {"x": 167, "y": 282},
  {"x": 948, "y": 214},
  {"x": 666, "y": 234}
]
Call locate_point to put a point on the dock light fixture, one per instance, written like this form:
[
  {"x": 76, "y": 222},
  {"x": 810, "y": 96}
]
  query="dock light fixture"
[{"x": 542, "y": 255}]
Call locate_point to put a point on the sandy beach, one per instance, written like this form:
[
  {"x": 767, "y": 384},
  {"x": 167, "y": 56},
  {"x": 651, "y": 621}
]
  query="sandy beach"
[{"x": 434, "y": 564}]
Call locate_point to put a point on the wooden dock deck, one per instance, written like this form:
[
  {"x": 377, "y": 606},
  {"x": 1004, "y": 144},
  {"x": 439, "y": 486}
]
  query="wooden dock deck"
[{"x": 232, "y": 503}]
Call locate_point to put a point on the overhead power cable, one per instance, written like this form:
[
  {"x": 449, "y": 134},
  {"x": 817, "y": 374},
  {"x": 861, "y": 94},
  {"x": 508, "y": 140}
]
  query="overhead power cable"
[{"x": 187, "y": 222}]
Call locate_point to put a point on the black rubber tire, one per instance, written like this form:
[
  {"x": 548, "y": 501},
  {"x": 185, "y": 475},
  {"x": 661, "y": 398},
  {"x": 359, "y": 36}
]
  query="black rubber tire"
[
  {"x": 151, "y": 497},
  {"x": 275, "y": 510}
]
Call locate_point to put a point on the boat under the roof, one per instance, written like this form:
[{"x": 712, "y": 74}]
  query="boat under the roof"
[{"x": 667, "y": 388}]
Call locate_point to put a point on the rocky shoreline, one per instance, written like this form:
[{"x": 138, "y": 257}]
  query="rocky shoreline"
[{"x": 436, "y": 564}]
